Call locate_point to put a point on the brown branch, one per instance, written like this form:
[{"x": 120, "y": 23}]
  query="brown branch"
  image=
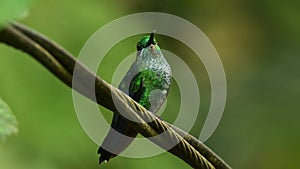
[{"x": 61, "y": 64}]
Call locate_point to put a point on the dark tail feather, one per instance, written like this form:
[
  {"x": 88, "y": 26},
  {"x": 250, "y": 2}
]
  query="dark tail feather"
[
  {"x": 115, "y": 142},
  {"x": 105, "y": 155}
]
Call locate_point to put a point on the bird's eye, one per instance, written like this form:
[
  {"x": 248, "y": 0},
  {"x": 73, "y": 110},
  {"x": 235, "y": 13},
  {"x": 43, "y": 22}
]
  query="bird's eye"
[{"x": 139, "y": 47}]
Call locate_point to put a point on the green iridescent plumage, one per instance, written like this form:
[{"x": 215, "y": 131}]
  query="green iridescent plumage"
[
  {"x": 144, "y": 42},
  {"x": 147, "y": 82}
]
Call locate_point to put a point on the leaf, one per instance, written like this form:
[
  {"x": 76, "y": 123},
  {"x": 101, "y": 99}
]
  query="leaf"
[
  {"x": 8, "y": 121},
  {"x": 12, "y": 9}
]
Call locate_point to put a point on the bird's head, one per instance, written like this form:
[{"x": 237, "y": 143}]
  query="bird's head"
[{"x": 146, "y": 41}]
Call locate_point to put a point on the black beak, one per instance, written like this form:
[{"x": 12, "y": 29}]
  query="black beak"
[{"x": 151, "y": 39}]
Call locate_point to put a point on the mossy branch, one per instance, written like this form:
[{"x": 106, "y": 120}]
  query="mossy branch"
[{"x": 61, "y": 63}]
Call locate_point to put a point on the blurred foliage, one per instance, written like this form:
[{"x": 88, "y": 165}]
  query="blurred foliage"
[
  {"x": 12, "y": 9},
  {"x": 258, "y": 43},
  {"x": 8, "y": 122}
]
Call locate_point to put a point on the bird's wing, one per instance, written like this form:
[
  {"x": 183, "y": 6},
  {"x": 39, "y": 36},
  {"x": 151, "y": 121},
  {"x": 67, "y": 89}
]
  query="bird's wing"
[
  {"x": 115, "y": 141},
  {"x": 136, "y": 87}
]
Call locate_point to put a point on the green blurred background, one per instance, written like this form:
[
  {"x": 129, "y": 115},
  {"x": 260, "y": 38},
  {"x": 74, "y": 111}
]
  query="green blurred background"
[{"x": 258, "y": 43}]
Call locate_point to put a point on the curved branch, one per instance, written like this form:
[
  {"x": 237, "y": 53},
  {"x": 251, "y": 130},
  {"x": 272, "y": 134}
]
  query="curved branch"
[
  {"x": 61, "y": 64},
  {"x": 202, "y": 148}
]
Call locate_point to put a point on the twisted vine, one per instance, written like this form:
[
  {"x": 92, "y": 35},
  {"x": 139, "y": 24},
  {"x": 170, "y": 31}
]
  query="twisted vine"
[{"x": 61, "y": 63}]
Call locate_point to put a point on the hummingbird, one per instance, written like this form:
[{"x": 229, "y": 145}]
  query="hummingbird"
[{"x": 147, "y": 82}]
